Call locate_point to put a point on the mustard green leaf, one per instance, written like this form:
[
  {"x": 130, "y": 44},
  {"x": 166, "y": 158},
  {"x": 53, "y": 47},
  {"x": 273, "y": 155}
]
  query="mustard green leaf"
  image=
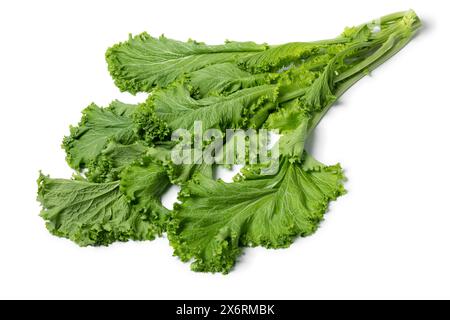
[
  {"x": 216, "y": 219},
  {"x": 96, "y": 128},
  {"x": 123, "y": 154},
  {"x": 92, "y": 213},
  {"x": 178, "y": 109},
  {"x": 143, "y": 183},
  {"x": 113, "y": 159},
  {"x": 225, "y": 78},
  {"x": 144, "y": 62},
  {"x": 277, "y": 57}
]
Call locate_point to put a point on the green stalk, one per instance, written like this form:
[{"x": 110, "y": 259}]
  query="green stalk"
[{"x": 355, "y": 77}]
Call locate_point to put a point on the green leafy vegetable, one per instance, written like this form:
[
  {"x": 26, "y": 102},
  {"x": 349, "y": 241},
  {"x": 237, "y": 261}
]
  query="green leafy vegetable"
[
  {"x": 93, "y": 213},
  {"x": 113, "y": 159},
  {"x": 216, "y": 219},
  {"x": 231, "y": 79},
  {"x": 123, "y": 154},
  {"x": 144, "y": 183},
  {"x": 144, "y": 61},
  {"x": 178, "y": 109},
  {"x": 97, "y": 127}
]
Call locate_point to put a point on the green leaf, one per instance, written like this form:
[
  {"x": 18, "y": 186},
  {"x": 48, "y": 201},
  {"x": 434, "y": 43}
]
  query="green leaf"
[
  {"x": 177, "y": 173},
  {"x": 144, "y": 61},
  {"x": 178, "y": 109},
  {"x": 215, "y": 219},
  {"x": 143, "y": 183},
  {"x": 225, "y": 78},
  {"x": 277, "y": 57},
  {"x": 122, "y": 109},
  {"x": 321, "y": 92},
  {"x": 292, "y": 143},
  {"x": 92, "y": 213},
  {"x": 97, "y": 127},
  {"x": 148, "y": 126},
  {"x": 181, "y": 173},
  {"x": 293, "y": 123},
  {"x": 113, "y": 159}
]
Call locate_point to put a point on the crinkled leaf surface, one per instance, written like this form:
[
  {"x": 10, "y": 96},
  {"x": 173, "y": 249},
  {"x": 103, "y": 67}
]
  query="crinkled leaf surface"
[
  {"x": 92, "y": 213},
  {"x": 144, "y": 182},
  {"x": 97, "y": 127},
  {"x": 113, "y": 159},
  {"x": 127, "y": 150},
  {"x": 225, "y": 78},
  {"x": 144, "y": 61},
  {"x": 215, "y": 218},
  {"x": 178, "y": 109},
  {"x": 278, "y": 56}
]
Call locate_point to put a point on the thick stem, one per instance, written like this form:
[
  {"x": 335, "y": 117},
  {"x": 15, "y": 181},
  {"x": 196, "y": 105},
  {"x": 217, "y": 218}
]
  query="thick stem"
[
  {"x": 350, "y": 81},
  {"x": 292, "y": 95}
]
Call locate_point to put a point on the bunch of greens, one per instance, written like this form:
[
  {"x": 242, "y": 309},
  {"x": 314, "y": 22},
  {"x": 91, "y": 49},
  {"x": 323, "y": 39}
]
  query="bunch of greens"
[{"x": 121, "y": 153}]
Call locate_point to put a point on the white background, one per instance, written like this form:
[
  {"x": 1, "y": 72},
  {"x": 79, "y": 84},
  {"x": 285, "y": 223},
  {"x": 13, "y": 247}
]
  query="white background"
[{"x": 388, "y": 237}]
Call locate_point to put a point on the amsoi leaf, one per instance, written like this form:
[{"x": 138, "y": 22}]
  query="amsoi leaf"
[
  {"x": 144, "y": 61},
  {"x": 92, "y": 213},
  {"x": 216, "y": 219},
  {"x": 178, "y": 109},
  {"x": 97, "y": 127}
]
